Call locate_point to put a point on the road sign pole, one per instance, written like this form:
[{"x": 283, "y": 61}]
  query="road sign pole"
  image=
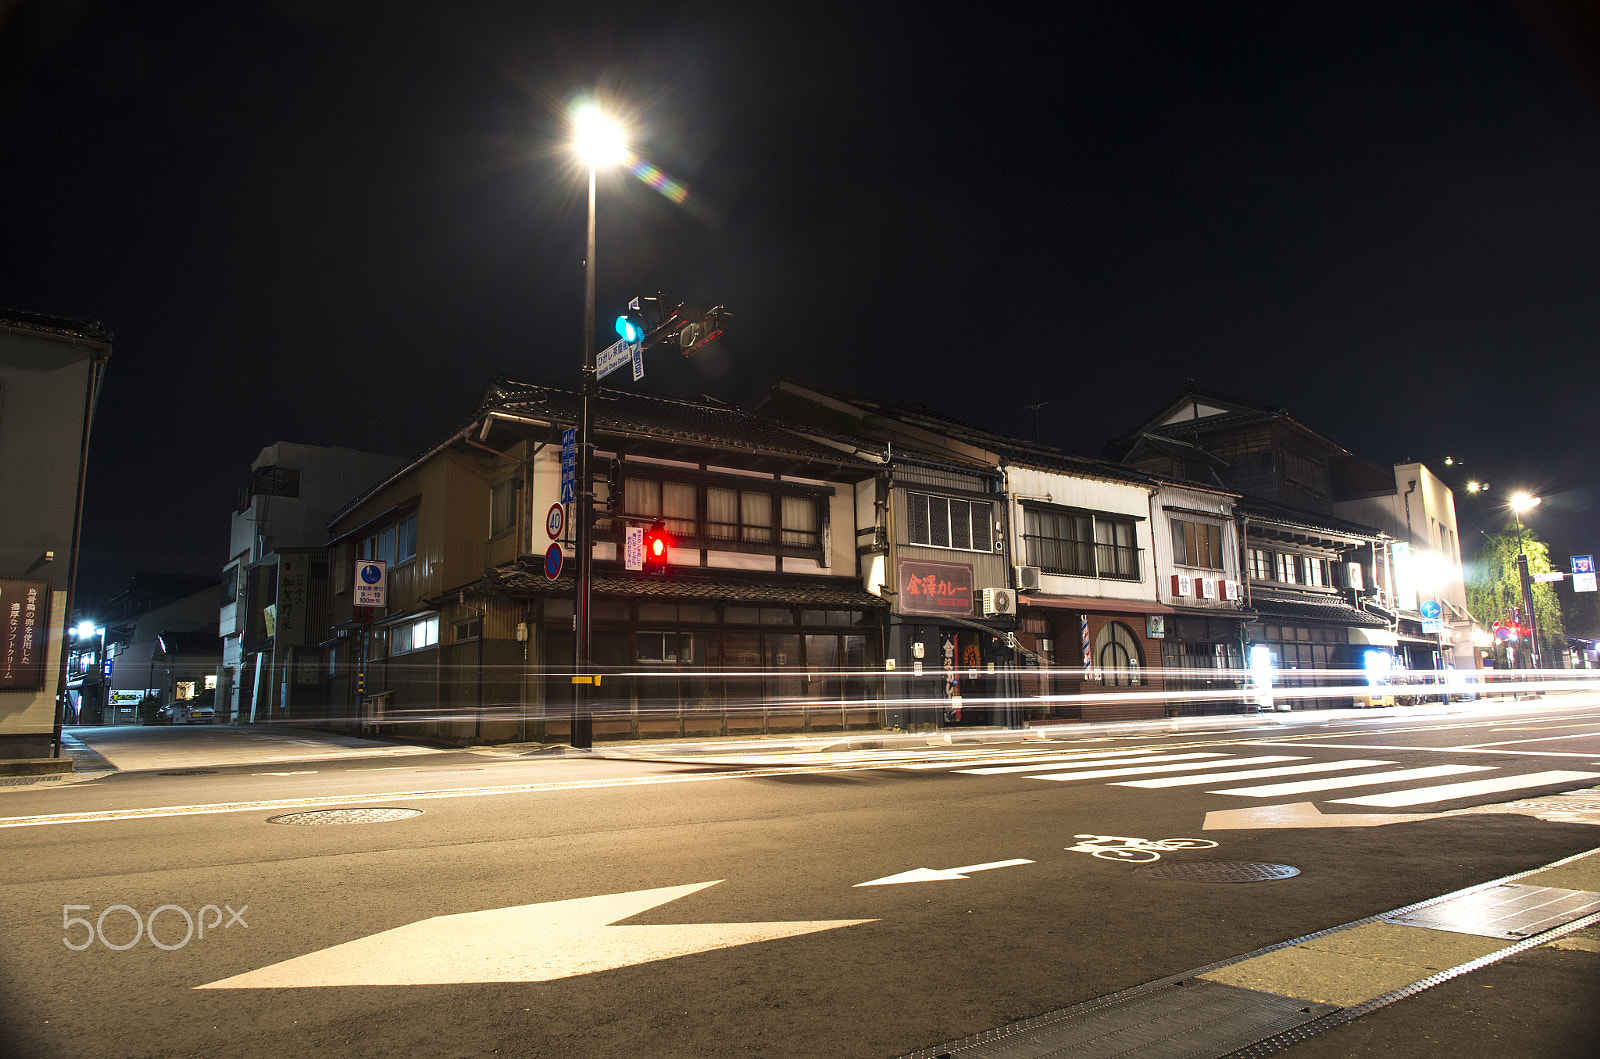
[{"x": 582, "y": 719}]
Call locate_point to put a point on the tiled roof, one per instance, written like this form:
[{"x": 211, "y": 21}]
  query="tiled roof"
[
  {"x": 671, "y": 418},
  {"x": 1009, "y": 449},
  {"x": 56, "y": 325},
  {"x": 1301, "y": 609},
  {"x": 1293, "y": 518},
  {"x": 522, "y": 581}
]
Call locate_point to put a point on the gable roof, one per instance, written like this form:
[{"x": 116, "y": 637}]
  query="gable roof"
[{"x": 1198, "y": 411}]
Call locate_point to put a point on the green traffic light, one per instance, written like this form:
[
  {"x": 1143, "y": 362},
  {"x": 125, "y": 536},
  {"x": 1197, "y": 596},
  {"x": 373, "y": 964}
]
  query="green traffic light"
[{"x": 629, "y": 329}]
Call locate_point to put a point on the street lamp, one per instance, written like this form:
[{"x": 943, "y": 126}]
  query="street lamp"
[
  {"x": 598, "y": 141},
  {"x": 1521, "y": 502}
]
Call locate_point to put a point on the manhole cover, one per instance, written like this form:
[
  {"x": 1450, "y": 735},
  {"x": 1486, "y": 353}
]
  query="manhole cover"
[
  {"x": 1217, "y": 871},
  {"x": 189, "y": 772},
  {"x": 346, "y": 816}
]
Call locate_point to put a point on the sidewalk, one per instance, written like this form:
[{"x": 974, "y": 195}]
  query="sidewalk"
[{"x": 156, "y": 747}]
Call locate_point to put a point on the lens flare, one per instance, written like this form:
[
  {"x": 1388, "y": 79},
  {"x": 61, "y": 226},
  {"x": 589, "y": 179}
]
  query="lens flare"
[{"x": 654, "y": 177}]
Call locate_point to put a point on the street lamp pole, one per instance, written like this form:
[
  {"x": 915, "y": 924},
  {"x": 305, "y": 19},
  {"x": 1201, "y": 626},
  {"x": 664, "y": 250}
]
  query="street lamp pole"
[
  {"x": 1519, "y": 503},
  {"x": 599, "y": 142},
  {"x": 583, "y": 679}
]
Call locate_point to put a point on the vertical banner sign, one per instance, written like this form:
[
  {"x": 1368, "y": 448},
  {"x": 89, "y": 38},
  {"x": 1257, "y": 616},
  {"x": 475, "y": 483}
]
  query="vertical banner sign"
[
  {"x": 372, "y": 583},
  {"x": 633, "y": 548},
  {"x": 569, "y": 463},
  {"x": 1583, "y": 577},
  {"x": 1083, "y": 638},
  {"x": 294, "y": 570},
  {"x": 24, "y": 617}
]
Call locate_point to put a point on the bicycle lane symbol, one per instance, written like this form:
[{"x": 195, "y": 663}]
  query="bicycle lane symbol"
[{"x": 1134, "y": 850}]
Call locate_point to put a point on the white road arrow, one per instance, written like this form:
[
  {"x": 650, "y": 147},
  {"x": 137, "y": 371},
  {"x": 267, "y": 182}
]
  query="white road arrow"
[
  {"x": 936, "y": 874},
  {"x": 527, "y": 943}
]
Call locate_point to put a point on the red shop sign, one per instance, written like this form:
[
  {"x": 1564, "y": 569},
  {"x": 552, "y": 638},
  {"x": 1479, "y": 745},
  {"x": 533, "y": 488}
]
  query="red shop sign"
[{"x": 935, "y": 588}]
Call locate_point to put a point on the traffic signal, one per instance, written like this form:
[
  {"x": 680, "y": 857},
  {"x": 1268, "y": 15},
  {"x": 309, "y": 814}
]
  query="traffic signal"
[
  {"x": 701, "y": 332},
  {"x": 657, "y": 543},
  {"x": 631, "y": 326}
]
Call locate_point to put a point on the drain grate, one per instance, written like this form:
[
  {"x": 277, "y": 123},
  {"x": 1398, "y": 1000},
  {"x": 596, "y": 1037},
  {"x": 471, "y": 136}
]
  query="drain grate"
[
  {"x": 1217, "y": 871},
  {"x": 1178, "y": 1021},
  {"x": 346, "y": 816},
  {"x": 1510, "y": 911},
  {"x": 189, "y": 772}
]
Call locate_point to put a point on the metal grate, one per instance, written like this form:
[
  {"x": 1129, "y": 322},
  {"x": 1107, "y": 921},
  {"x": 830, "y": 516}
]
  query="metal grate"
[
  {"x": 188, "y": 772},
  {"x": 346, "y": 816},
  {"x": 1510, "y": 911},
  {"x": 1217, "y": 871},
  {"x": 1183, "y": 1019}
]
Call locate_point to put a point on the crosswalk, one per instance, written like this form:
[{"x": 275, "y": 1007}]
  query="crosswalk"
[{"x": 1219, "y": 772}]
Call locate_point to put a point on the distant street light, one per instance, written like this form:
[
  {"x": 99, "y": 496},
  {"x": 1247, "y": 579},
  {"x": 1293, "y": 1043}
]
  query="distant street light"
[
  {"x": 1521, "y": 502},
  {"x": 598, "y": 141}
]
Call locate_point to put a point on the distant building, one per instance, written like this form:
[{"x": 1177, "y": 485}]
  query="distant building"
[
  {"x": 108, "y": 670},
  {"x": 51, "y": 371},
  {"x": 281, "y": 510},
  {"x": 168, "y": 651}
]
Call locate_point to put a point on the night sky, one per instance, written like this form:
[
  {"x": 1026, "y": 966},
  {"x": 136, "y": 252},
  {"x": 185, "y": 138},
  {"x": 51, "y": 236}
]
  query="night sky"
[{"x": 330, "y": 222}]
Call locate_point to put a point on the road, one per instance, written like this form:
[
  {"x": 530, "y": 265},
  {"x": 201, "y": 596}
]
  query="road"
[{"x": 711, "y": 901}]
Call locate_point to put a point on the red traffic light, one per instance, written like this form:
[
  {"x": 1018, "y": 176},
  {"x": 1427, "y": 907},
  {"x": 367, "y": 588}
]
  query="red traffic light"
[{"x": 657, "y": 544}]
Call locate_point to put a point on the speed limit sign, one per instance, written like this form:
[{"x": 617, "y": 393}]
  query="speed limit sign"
[{"x": 554, "y": 520}]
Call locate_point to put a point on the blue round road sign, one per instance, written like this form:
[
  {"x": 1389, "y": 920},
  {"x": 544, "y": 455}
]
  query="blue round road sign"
[
  {"x": 1429, "y": 609},
  {"x": 552, "y": 562}
]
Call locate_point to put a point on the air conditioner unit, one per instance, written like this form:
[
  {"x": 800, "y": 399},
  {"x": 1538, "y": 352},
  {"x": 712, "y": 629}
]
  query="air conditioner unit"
[
  {"x": 1182, "y": 585},
  {"x": 1027, "y": 578},
  {"x": 1230, "y": 591},
  {"x": 1208, "y": 588},
  {"x": 998, "y": 601}
]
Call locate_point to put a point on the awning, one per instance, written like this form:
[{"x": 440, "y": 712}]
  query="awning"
[
  {"x": 1375, "y": 637},
  {"x": 1094, "y": 604}
]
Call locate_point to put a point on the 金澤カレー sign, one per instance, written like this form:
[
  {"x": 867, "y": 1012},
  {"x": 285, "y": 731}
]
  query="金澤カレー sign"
[
  {"x": 24, "y": 616},
  {"x": 935, "y": 588}
]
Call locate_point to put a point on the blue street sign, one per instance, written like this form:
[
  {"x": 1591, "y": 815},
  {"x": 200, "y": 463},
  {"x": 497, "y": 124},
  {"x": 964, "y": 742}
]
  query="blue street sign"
[
  {"x": 614, "y": 356},
  {"x": 552, "y": 562},
  {"x": 638, "y": 362},
  {"x": 569, "y": 463},
  {"x": 1429, "y": 609}
]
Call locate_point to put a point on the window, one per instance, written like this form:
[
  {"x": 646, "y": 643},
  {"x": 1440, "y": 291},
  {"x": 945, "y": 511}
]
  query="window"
[
  {"x": 502, "y": 507},
  {"x": 1197, "y": 544},
  {"x": 1081, "y": 544},
  {"x": 268, "y": 481},
  {"x": 392, "y": 544},
  {"x": 210, "y": 682},
  {"x": 1313, "y": 571},
  {"x": 230, "y": 586},
  {"x": 1260, "y": 564},
  {"x": 468, "y": 630},
  {"x": 1286, "y": 568},
  {"x": 666, "y": 647},
  {"x": 414, "y": 635},
  {"x": 1117, "y": 656},
  {"x": 183, "y": 690},
  {"x": 946, "y": 522},
  {"x": 749, "y": 518}
]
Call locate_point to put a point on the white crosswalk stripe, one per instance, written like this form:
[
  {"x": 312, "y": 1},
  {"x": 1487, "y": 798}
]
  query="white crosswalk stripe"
[
  {"x": 1228, "y": 777},
  {"x": 1451, "y": 791},
  {"x": 1275, "y": 790},
  {"x": 1159, "y": 770},
  {"x": 1135, "y": 770}
]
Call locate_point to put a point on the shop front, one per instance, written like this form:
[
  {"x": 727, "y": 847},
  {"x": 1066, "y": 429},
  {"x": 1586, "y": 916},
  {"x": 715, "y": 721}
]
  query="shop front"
[{"x": 1100, "y": 659}]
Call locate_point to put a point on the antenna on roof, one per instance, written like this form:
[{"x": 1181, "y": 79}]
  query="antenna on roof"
[{"x": 1034, "y": 408}]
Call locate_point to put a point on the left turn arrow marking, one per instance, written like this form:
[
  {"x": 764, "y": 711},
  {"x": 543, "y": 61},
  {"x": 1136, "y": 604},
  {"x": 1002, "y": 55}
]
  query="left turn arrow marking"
[
  {"x": 937, "y": 874},
  {"x": 526, "y": 943}
]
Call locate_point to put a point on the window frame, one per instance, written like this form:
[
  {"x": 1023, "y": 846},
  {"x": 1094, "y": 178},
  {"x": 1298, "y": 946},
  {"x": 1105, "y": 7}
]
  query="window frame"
[
  {"x": 970, "y": 503},
  {"x": 502, "y": 506},
  {"x": 775, "y": 491},
  {"x": 1089, "y": 546},
  {"x": 1185, "y": 531}
]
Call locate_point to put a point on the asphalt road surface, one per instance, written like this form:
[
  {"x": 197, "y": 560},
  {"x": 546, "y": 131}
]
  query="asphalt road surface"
[{"x": 712, "y": 903}]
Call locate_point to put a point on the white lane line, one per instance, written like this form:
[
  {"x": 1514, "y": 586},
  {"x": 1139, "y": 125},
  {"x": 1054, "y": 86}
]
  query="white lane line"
[
  {"x": 1139, "y": 770},
  {"x": 1449, "y": 791},
  {"x": 1330, "y": 783},
  {"x": 999, "y": 770},
  {"x": 1228, "y": 777}
]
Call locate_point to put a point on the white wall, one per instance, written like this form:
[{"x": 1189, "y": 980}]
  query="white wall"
[{"x": 1092, "y": 494}]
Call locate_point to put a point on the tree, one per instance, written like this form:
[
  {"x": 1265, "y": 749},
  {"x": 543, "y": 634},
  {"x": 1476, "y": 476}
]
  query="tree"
[{"x": 1494, "y": 586}]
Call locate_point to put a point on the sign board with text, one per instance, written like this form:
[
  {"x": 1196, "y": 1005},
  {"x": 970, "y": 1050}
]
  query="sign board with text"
[
  {"x": 371, "y": 583},
  {"x": 1583, "y": 573},
  {"x": 24, "y": 617},
  {"x": 935, "y": 588},
  {"x": 569, "y": 463}
]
